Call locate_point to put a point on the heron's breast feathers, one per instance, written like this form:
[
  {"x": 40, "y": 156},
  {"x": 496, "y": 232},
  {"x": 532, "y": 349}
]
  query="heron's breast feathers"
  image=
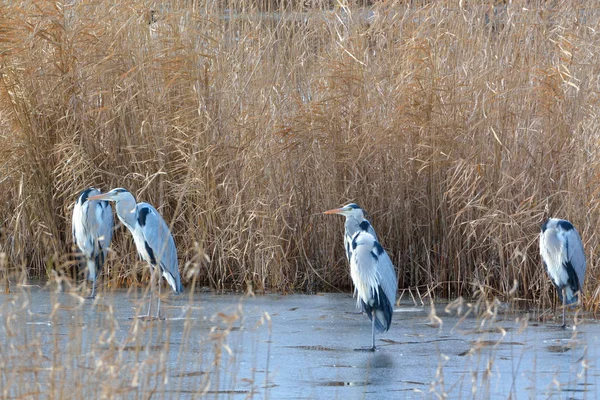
[{"x": 365, "y": 276}]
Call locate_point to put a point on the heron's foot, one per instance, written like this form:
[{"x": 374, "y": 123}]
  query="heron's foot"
[
  {"x": 367, "y": 349},
  {"x": 564, "y": 326},
  {"x": 91, "y": 297},
  {"x": 353, "y": 312}
]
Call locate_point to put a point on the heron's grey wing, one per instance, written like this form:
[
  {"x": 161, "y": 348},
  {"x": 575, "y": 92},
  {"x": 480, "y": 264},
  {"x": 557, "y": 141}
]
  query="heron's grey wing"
[
  {"x": 388, "y": 286},
  {"x": 387, "y": 277},
  {"x": 576, "y": 254},
  {"x": 160, "y": 241}
]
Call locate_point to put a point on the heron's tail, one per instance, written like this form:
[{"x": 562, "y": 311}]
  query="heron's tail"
[{"x": 174, "y": 282}]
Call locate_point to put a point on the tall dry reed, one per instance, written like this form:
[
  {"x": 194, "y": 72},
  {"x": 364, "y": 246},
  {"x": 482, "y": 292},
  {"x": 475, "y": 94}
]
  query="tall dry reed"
[{"x": 454, "y": 125}]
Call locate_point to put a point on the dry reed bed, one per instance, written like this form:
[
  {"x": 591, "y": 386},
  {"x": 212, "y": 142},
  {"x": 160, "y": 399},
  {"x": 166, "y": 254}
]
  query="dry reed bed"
[{"x": 455, "y": 128}]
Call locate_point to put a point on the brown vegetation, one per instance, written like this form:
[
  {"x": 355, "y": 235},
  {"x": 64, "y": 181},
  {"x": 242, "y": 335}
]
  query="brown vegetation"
[{"x": 454, "y": 127}]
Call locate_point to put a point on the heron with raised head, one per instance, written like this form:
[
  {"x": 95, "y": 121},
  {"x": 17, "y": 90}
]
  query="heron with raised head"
[
  {"x": 372, "y": 271},
  {"x": 564, "y": 258},
  {"x": 152, "y": 238},
  {"x": 92, "y": 225}
]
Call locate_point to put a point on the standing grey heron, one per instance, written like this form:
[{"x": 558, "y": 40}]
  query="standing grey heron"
[
  {"x": 152, "y": 238},
  {"x": 564, "y": 258},
  {"x": 372, "y": 271},
  {"x": 92, "y": 225}
]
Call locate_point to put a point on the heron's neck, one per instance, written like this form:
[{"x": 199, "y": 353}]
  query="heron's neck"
[
  {"x": 127, "y": 213},
  {"x": 352, "y": 225}
]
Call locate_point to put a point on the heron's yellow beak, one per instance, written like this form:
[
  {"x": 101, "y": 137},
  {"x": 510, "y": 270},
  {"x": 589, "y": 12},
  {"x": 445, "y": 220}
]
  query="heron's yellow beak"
[{"x": 334, "y": 211}]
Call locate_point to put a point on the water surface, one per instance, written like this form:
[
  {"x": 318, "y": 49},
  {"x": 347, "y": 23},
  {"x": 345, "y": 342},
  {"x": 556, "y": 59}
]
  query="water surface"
[{"x": 57, "y": 344}]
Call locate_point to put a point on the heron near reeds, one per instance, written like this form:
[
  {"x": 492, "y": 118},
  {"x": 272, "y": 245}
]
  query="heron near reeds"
[
  {"x": 564, "y": 259},
  {"x": 152, "y": 237},
  {"x": 371, "y": 269},
  {"x": 92, "y": 225}
]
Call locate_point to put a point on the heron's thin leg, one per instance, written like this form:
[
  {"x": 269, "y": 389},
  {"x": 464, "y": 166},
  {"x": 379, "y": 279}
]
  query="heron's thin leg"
[
  {"x": 154, "y": 285},
  {"x": 151, "y": 291},
  {"x": 149, "y": 305},
  {"x": 373, "y": 328},
  {"x": 564, "y": 292},
  {"x": 372, "y": 348},
  {"x": 88, "y": 274},
  {"x": 93, "y": 295},
  {"x": 159, "y": 287}
]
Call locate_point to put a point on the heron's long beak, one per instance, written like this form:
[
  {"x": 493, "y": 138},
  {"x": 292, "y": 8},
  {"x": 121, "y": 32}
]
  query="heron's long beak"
[
  {"x": 103, "y": 196},
  {"x": 334, "y": 211}
]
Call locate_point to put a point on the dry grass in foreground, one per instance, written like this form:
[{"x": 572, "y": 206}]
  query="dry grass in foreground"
[{"x": 455, "y": 127}]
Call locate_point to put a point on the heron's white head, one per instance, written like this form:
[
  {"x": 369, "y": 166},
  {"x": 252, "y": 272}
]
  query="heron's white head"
[
  {"x": 125, "y": 205},
  {"x": 86, "y": 194},
  {"x": 351, "y": 210}
]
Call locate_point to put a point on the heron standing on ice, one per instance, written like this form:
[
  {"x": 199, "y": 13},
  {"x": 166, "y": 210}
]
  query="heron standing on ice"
[
  {"x": 92, "y": 225},
  {"x": 372, "y": 271},
  {"x": 563, "y": 256},
  {"x": 152, "y": 238}
]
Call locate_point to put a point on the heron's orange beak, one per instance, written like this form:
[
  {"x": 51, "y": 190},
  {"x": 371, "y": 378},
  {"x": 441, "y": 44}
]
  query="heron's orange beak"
[
  {"x": 334, "y": 211},
  {"x": 102, "y": 196}
]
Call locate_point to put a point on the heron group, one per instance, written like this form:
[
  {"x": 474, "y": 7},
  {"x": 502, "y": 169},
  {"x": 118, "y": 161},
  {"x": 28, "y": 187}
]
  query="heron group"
[{"x": 371, "y": 269}]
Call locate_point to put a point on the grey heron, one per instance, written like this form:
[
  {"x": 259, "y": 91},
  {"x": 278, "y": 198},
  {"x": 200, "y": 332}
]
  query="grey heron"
[
  {"x": 152, "y": 238},
  {"x": 92, "y": 225},
  {"x": 564, "y": 258},
  {"x": 372, "y": 271}
]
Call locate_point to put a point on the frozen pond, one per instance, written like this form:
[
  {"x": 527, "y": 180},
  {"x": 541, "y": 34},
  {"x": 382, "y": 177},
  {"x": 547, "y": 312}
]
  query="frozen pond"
[{"x": 57, "y": 345}]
